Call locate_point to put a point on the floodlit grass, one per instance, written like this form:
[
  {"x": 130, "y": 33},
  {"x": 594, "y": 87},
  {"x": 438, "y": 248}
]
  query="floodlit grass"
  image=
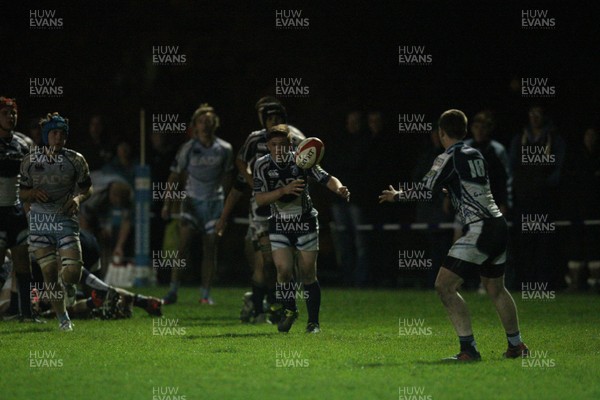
[{"x": 204, "y": 352}]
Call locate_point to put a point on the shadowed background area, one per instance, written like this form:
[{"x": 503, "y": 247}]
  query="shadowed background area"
[{"x": 348, "y": 57}]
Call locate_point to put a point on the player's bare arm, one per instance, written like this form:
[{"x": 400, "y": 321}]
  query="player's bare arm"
[
  {"x": 295, "y": 187},
  {"x": 232, "y": 198},
  {"x": 71, "y": 207},
  {"x": 242, "y": 166},
  {"x": 123, "y": 235},
  {"x": 32, "y": 195},
  {"x": 166, "y": 209},
  {"x": 338, "y": 188}
]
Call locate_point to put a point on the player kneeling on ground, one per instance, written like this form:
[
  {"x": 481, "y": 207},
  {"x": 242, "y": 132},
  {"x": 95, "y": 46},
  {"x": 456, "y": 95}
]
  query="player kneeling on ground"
[
  {"x": 293, "y": 224},
  {"x": 462, "y": 172},
  {"x": 56, "y": 180}
]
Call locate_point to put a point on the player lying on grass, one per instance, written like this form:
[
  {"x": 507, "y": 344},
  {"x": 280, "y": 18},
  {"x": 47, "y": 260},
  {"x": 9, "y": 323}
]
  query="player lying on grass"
[
  {"x": 105, "y": 301},
  {"x": 55, "y": 181},
  {"x": 461, "y": 171},
  {"x": 293, "y": 223}
]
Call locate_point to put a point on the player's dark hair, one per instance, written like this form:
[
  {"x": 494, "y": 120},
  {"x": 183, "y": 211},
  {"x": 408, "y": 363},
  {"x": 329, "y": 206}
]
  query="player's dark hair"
[
  {"x": 454, "y": 123},
  {"x": 264, "y": 100}
]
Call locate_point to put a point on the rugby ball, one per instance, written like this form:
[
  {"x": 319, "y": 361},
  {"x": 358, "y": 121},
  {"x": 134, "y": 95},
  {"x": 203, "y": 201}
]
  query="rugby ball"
[{"x": 309, "y": 152}]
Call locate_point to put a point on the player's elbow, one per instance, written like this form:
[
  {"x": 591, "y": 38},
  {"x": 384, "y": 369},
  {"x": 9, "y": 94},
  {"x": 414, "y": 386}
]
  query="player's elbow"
[{"x": 261, "y": 199}]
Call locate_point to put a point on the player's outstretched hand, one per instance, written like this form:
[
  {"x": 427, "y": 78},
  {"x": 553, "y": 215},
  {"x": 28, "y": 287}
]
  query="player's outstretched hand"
[
  {"x": 344, "y": 193},
  {"x": 295, "y": 187},
  {"x": 388, "y": 195}
]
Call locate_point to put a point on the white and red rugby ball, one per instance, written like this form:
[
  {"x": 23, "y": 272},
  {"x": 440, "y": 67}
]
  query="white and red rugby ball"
[{"x": 309, "y": 153}]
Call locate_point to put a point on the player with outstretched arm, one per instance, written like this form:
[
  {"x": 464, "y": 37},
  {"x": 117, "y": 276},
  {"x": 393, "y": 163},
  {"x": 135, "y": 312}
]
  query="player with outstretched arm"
[
  {"x": 462, "y": 172},
  {"x": 293, "y": 223},
  {"x": 270, "y": 113}
]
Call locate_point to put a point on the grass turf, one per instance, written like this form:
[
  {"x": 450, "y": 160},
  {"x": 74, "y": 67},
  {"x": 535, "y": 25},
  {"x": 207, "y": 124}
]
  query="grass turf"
[{"x": 360, "y": 353}]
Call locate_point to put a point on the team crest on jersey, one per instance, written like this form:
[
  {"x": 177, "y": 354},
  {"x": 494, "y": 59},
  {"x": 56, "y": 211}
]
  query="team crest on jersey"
[
  {"x": 295, "y": 170},
  {"x": 273, "y": 174}
]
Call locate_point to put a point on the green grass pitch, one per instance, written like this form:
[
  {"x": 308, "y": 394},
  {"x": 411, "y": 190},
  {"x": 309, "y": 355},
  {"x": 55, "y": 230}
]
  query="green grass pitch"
[{"x": 374, "y": 345}]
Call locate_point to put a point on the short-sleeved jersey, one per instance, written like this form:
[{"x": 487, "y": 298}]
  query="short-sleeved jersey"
[
  {"x": 239, "y": 183},
  {"x": 255, "y": 145},
  {"x": 12, "y": 151},
  {"x": 269, "y": 176},
  {"x": 205, "y": 167},
  {"x": 463, "y": 171},
  {"x": 61, "y": 175}
]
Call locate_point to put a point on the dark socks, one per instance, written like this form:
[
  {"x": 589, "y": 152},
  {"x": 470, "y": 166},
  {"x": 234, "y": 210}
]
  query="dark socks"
[
  {"x": 13, "y": 308},
  {"x": 140, "y": 301},
  {"x": 287, "y": 295},
  {"x": 313, "y": 301},
  {"x": 91, "y": 304},
  {"x": 467, "y": 343},
  {"x": 271, "y": 295},
  {"x": 23, "y": 283},
  {"x": 258, "y": 293}
]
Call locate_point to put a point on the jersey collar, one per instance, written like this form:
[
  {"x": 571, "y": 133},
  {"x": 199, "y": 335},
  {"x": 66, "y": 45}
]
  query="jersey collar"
[{"x": 457, "y": 144}]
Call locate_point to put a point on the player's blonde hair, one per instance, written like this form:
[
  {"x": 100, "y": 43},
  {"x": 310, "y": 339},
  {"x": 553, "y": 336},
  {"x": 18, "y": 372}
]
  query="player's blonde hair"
[{"x": 207, "y": 109}]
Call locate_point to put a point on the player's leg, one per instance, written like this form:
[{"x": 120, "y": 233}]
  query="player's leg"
[
  {"x": 71, "y": 265},
  {"x": 186, "y": 232},
  {"x": 283, "y": 257},
  {"x": 209, "y": 265},
  {"x": 446, "y": 284},
  {"x": 252, "y": 254},
  {"x": 507, "y": 311},
  {"x": 5, "y": 294},
  {"x": 22, "y": 267},
  {"x": 275, "y": 309},
  {"x": 258, "y": 283},
  {"x": 209, "y": 213},
  {"x": 46, "y": 258},
  {"x": 307, "y": 262},
  {"x": 71, "y": 262}
]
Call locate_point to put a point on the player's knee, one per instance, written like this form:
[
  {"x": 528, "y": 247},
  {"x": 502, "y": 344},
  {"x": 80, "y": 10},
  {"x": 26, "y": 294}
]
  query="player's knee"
[
  {"x": 267, "y": 258},
  {"x": 443, "y": 287},
  {"x": 46, "y": 261},
  {"x": 284, "y": 275},
  {"x": 71, "y": 269},
  {"x": 258, "y": 276},
  {"x": 493, "y": 289},
  {"x": 309, "y": 280}
]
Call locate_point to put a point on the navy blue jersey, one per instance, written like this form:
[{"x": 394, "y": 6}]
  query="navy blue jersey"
[
  {"x": 12, "y": 151},
  {"x": 463, "y": 171},
  {"x": 269, "y": 176},
  {"x": 255, "y": 145}
]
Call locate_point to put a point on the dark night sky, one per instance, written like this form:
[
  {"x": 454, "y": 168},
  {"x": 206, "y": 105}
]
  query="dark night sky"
[{"x": 348, "y": 57}]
